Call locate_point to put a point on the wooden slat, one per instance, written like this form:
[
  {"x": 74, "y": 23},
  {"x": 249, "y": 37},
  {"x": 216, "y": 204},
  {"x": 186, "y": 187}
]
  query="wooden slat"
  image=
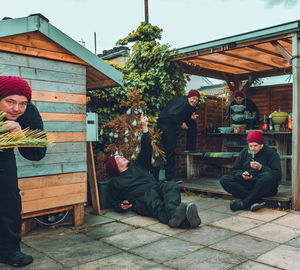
[
  {"x": 37, "y": 45},
  {"x": 93, "y": 178},
  {"x": 64, "y": 117},
  {"x": 47, "y": 212},
  {"x": 49, "y": 96},
  {"x": 68, "y": 136},
  {"x": 33, "y": 206},
  {"x": 65, "y": 126},
  {"x": 52, "y": 192},
  {"x": 52, "y": 180}
]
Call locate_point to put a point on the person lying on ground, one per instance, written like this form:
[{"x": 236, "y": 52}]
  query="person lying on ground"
[{"x": 134, "y": 187}]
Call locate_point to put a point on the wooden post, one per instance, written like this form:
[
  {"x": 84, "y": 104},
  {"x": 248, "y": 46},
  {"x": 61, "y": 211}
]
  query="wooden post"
[
  {"x": 296, "y": 131},
  {"x": 93, "y": 178},
  {"x": 78, "y": 214}
]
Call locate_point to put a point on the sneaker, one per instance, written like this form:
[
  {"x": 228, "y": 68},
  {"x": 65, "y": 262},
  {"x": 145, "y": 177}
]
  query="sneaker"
[
  {"x": 179, "y": 216},
  {"x": 17, "y": 259},
  {"x": 192, "y": 215},
  {"x": 236, "y": 205},
  {"x": 257, "y": 206}
]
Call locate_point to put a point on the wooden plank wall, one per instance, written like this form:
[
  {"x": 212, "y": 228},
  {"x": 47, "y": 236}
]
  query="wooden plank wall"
[{"x": 59, "y": 92}]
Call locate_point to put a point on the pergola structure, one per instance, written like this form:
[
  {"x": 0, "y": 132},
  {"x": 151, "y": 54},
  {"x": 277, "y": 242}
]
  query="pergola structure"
[{"x": 262, "y": 53}]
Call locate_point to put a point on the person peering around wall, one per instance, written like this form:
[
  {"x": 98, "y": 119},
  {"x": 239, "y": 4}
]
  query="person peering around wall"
[{"x": 15, "y": 96}]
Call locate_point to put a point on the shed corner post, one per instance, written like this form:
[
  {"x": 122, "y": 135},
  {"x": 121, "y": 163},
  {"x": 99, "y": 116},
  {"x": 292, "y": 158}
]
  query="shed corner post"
[{"x": 296, "y": 130}]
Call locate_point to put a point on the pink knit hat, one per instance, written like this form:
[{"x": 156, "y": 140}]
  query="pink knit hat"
[
  {"x": 194, "y": 93},
  {"x": 255, "y": 136},
  {"x": 111, "y": 166},
  {"x": 10, "y": 85}
]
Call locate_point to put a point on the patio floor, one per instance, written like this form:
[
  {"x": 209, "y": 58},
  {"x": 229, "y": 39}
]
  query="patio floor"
[{"x": 263, "y": 240}]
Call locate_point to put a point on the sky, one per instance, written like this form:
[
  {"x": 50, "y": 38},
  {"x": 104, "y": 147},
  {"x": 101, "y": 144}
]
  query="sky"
[{"x": 184, "y": 22}]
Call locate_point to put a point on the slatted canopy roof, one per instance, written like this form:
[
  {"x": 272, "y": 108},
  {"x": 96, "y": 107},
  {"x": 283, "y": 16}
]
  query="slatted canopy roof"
[
  {"x": 35, "y": 36},
  {"x": 257, "y": 54}
]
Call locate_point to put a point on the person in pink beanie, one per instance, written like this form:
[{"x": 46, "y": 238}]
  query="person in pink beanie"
[
  {"x": 20, "y": 113},
  {"x": 255, "y": 174}
]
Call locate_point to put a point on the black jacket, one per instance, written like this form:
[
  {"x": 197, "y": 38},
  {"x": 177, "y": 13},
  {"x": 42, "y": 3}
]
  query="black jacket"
[
  {"x": 136, "y": 180},
  {"x": 267, "y": 156},
  {"x": 175, "y": 113},
  {"x": 8, "y": 169},
  {"x": 250, "y": 107}
]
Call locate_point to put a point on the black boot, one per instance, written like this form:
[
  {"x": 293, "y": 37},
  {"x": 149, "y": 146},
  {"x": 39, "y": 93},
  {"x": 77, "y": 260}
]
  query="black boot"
[
  {"x": 17, "y": 259},
  {"x": 179, "y": 216}
]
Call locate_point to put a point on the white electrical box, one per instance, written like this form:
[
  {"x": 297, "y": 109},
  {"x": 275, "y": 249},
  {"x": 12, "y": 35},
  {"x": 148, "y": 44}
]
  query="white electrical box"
[{"x": 92, "y": 127}]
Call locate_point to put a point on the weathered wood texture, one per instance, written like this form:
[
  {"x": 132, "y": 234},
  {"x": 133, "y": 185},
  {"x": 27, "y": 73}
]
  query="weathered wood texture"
[{"x": 59, "y": 92}]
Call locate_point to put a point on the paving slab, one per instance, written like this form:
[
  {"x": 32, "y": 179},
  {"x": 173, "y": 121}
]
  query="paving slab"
[
  {"x": 118, "y": 262},
  {"x": 166, "y": 249},
  {"x": 106, "y": 230},
  {"x": 264, "y": 214},
  {"x": 224, "y": 208},
  {"x": 189, "y": 198},
  {"x": 284, "y": 257},
  {"x": 164, "y": 229},
  {"x": 71, "y": 249},
  {"x": 206, "y": 235},
  {"x": 91, "y": 220},
  {"x": 118, "y": 216},
  {"x": 251, "y": 265},
  {"x": 243, "y": 245},
  {"x": 206, "y": 258},
  {"x": 208, "y": 216},
  {"x": 207, "y": 203},
  {"x": 291, "y": 220},
  {"x": 133, "y": 239},
  {"x": 237, "y": 223},
  {"x": 140, "y": 221},
  {"x": 295, "y": 242},
  {"x": 274, "y": 232}
]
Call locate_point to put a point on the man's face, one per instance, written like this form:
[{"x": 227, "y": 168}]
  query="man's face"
[
  {"x": 239, "y": 100},
  {"x": 121, "y": 162},
  {"x": 14, "y": 106},
  {"x": 193, "y": 101},
  {"x": 255, "y": 147}
]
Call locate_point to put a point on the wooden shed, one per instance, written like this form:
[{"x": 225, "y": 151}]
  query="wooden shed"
[
  {"x": 59, "y": 71},
  {"x": 246, "y": 57}
]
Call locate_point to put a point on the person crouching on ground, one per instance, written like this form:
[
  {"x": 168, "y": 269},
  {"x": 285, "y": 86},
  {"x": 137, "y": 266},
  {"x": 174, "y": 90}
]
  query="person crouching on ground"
[
  {"x": 134, "y": 187},
  {"x": 255, "y": 174},
  {"x": 15, "y": 96}
]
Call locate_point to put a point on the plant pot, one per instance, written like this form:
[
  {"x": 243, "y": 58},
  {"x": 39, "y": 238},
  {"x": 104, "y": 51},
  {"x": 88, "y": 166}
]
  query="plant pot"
[{"x": 103, "y": 192}]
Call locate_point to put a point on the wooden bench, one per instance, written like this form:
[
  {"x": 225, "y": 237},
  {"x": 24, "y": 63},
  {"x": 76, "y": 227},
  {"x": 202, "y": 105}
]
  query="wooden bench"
[{"x": 191, "y": 170}]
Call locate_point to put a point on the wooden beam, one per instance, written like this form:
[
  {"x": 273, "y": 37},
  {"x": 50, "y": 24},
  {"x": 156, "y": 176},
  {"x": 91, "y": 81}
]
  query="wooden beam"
[
  {"x": 282, "y": 50},
  {"x": 231, "y": 87},
  {"x": 247, "y": 84},
  {"x": 296, "y": 129},
  {"x": 266, "y": 51},
  {"x": 93, "y": 178},
  {"x": 248, "y": 59}
]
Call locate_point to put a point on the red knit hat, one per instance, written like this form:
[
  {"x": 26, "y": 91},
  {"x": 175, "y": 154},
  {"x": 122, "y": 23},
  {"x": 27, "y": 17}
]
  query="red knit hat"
[
  {"x": 238, "y": 93},
  {"x": 255, "y": 136},
  {"x": 194, "y": 93},
  {"x": 10, "y": 85},
  {"x": 111, "y": 166}
]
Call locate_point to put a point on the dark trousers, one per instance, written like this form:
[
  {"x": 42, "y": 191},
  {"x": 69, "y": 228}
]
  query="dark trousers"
[
  {"x": 10, "y": 222},
  {"x": 250, "y": 191},
  {"x": 159, "y": 202},
  {"x": 169, "y": 140}
]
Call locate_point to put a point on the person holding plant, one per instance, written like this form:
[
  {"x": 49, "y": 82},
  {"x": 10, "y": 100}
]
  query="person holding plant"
[
  {"x": 134, "y": 187},
  {"x": 20, "y": 113},
  {"x": 255, "y": 174},
  {"x": 179, "y": 114}
]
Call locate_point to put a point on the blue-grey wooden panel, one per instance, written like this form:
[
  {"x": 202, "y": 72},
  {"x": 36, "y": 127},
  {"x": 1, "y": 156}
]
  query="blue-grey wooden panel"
[
  {"x": 41, "y": 63},
  {"x": 65, "y": 126},
  {"x": 70, "y": 147},
  {"x": 52, "y": 158},
  {"x": 60, "y": 107},
  {"x": 58, "y": 87},
  {"x": 48, "y": 169},
  {"x": 41, "y": 74}
]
